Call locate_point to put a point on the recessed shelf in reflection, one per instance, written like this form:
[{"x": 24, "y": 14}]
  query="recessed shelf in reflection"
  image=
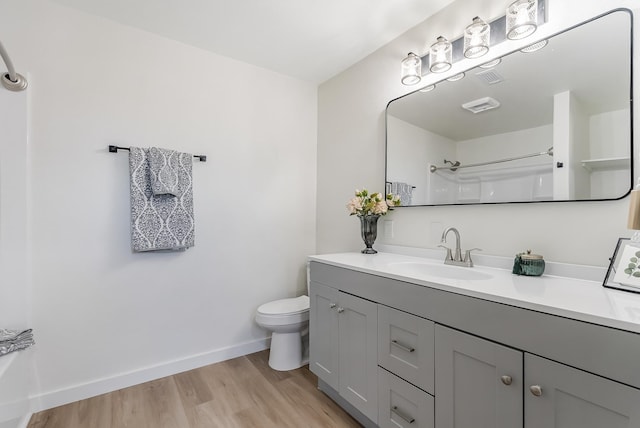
[{"x": 606, "y": 163}]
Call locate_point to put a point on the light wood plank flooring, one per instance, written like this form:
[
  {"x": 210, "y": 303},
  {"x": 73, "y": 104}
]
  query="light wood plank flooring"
[{"x": 243, "y": 392}]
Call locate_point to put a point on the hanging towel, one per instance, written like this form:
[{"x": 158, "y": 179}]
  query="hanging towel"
[
  {"x": 404, "y": 190},
  {"x": 162, "y": 222},
  {"x": 15, "y": 340},
  {"x": 166, "y": 172}
]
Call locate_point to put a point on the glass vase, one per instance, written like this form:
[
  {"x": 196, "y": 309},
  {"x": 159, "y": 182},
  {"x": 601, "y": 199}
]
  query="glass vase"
[{"x": 369, "y": 231}]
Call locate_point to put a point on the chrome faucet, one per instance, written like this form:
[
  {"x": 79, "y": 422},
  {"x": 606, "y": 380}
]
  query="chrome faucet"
[{"x": 455, "y": 257}]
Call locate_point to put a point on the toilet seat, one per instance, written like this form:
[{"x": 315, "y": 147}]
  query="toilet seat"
[{"x": 291, "y": 306}]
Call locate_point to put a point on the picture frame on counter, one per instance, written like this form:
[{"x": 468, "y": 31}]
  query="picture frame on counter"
[{"x": 624, "y": 267}]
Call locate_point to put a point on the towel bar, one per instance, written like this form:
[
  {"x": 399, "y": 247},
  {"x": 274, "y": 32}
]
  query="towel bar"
[{"x": 114, "y": 149}]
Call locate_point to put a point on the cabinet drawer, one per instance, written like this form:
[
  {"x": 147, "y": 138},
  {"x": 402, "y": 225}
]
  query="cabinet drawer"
[
  {"x": 406, "y": 346},
  {"x": 401, "y": 404}
]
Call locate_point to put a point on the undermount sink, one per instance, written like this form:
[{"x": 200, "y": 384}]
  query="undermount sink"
[{"x": 442, "y": 271}]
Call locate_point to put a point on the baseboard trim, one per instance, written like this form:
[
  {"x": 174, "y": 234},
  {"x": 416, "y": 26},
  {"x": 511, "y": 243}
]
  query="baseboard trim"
[
  {"x": 48, "y": 400},
  {"x": 16, "y": 423}
]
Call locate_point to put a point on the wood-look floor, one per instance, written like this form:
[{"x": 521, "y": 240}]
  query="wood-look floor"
[{"x": 243, "y": 392}]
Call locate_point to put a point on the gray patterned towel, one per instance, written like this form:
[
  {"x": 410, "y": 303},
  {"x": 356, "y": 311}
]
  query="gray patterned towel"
[
  {"x": 15, "y": 340},
  {"x": 167, "y": 174},
  {"x": 162, "y": 222},
  {"x": 404, "y": 190}
]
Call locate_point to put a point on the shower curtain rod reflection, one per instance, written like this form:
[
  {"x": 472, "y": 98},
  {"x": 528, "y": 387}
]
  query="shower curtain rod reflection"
[
  {"x": 11, "y": 80},
  {"x": 114, "y": 149},
  {"x": 456, "y": 165}
]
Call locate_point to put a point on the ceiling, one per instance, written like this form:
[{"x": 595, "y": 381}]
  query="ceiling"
[{"x": 307, "y": 39}]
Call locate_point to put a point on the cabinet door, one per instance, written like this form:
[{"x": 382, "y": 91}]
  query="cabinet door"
[
  {"x": 323, "y": 333},
  {"x": 358, "y": 321},
  {"x": 478, "y": 382},
  {"x": 402, "y": 404},
  {"x": 559, "y": 396},
  {"x": 405, "y": 346}
]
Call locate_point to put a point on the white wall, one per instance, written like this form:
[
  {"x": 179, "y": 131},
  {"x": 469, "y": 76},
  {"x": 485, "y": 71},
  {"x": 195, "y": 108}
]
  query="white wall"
[
  {"x": 351, "y": 154},
  {"x": 15, "y": 369},
  {"x": 408, "y": 162},
  {"x": 104, "y": 317}
]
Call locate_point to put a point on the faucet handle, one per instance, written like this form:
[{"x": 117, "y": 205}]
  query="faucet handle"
[
  {"x": 467, "y": 256},
  {"x": 449, "y": 253}
]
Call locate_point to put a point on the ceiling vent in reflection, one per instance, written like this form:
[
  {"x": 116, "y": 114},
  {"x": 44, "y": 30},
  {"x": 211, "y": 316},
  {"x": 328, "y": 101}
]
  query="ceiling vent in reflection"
[
  {"x": 481, "y": 104},
  {"x": 490, "y": 77}
]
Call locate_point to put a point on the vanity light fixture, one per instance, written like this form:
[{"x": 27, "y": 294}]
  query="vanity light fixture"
[
  {"x": 476, "y": 38},
  {"x": 411, "y": 69},
  {"x": 440, "y": 54},
  {"x": 522, "y": 19},
  {"x": 491, "y": 63},
  {"x": 535, "y": 47},
  {"x": 428, "y": 88},
  {"x": 456, "y": 77}
]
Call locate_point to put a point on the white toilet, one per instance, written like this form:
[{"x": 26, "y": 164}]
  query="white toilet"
[{"x": 288, "y": 320}]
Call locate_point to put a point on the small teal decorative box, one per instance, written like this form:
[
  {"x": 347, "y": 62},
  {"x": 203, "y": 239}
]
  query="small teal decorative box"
[{"x": 528, "y": 264}]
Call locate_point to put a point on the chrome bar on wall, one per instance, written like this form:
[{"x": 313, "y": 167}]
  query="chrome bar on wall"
[
  {"x": 114, "y": 149},
  {"x": 456, "y": 165},
  {"x": 11, "y": 80}
]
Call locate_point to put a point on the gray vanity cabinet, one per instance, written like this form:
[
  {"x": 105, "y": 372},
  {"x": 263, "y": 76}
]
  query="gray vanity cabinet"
[
  {"x": 344, "y": 347},
  {"x": 478, "y": 382},
  {"x": 358, "y": 327},
  {"x": 323, "y": 333},
  {"x": 481, "y": 362},
  {"x": 559, "y": 396}
]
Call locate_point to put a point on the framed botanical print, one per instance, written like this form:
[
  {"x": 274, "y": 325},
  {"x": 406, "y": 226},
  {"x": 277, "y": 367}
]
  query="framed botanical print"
[{"x": 624, "y": 269}]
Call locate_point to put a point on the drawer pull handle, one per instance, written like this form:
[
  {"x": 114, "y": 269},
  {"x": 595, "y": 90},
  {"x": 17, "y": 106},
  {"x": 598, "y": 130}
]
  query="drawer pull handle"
[
  {"x": 506, "y": 379},
  {"x": 403, "y": 347},
  {"x": 536, "y": 390},
  {"x": 401, "y": 415},
  {"x": 332, "y": 305},
  {"x": 340, "y": 310}
]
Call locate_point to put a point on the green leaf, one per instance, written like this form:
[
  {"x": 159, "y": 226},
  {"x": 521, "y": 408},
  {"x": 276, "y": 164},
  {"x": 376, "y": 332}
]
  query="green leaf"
[
  {"x": 633, "y": 259},
  {"x": 636, "y": 274},
  {"x": 632, "y": 266},
  {"x": 628, "y": 271},
  {"x": 637, "y": 253}
]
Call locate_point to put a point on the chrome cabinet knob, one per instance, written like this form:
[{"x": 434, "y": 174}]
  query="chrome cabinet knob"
[
  {"x": 332, "y": 305},
  {"x": 340, "y": 310},
  {"x": 507, "y": 380},
  {"x": 536, "y": 390}
]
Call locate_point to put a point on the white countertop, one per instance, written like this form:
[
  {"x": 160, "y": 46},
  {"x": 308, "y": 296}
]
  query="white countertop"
[{"x": 578, "y": 299}]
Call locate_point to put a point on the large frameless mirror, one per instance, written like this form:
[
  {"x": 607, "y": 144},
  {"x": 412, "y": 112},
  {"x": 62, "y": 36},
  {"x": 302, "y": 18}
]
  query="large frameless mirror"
[{"x": 554, "y": 124}]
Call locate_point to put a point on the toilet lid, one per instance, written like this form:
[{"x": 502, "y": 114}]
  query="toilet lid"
[{"x": 285, "y": 306}]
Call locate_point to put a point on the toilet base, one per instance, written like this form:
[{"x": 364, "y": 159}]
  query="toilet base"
[{"x": 286, "y": 351}]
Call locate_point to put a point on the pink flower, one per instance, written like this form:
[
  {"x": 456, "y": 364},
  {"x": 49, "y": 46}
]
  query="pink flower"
[
  {"x": 380, "y": 208},
  {"x": 365, "y": 203},
  {"x": 354, "y": 205}
]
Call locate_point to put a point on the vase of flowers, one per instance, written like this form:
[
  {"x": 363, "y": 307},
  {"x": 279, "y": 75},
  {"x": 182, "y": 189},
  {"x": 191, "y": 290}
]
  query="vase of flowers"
[{"x": 369, "y": 207}]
